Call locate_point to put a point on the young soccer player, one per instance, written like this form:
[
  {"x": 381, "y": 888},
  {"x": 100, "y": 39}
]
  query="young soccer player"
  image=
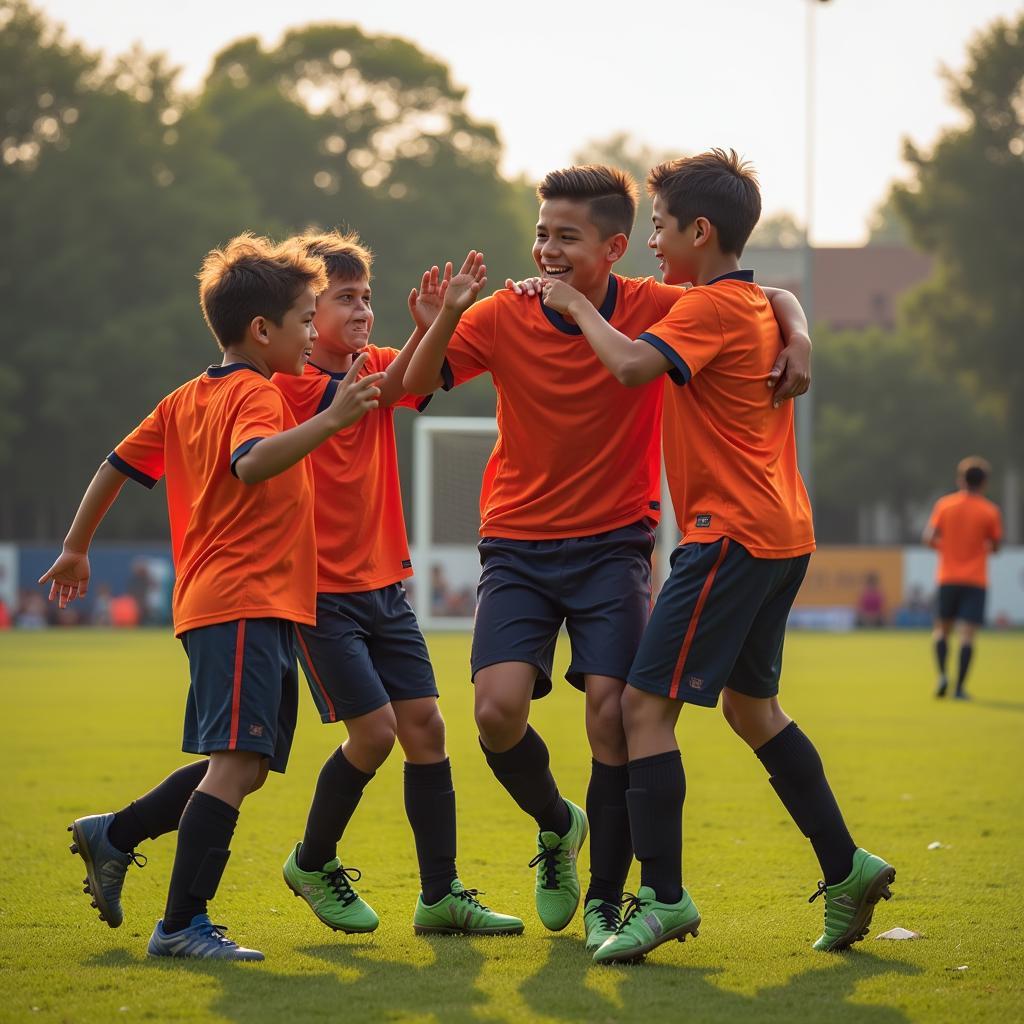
[
  {"x": 717, "y": 628},
  {"x": 568, "y": 507},
  {"x": 364, "y": 657},
  {"x": 964, "y": 528},
  {"x": 240, "y": 500}
]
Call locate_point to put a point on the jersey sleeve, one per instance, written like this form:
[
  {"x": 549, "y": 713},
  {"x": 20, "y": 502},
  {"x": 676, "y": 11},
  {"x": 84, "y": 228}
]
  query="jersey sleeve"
[
  {"x": 689, "y": 336},
  {"x": 469, "y": 352},
  {"x": 385, "y": 357},
  {"x": 996, "y": 526},
  {"x": 935, "y": 519},
  {"x": 141, "y": 454},
  {"x": 260, "y": 414}
]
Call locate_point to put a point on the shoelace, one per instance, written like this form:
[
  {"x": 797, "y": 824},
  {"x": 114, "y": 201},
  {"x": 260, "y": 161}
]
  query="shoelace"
[
  {"x": 470, "y": 896},
  {"x": 610, "y": 916},
  {"x": 138, "y": 859},
  {"x": 631, "y": 904},
  {"x": 339, "y": 881},
  {"x": 549, "y": 858},
  {"x": 822, "y": 889}
]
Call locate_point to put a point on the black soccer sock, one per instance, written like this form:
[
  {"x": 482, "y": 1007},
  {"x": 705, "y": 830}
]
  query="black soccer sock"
[
  {"x": 657, "y": 789},
  {"x": 966, "y": 650},
  {"x": 430, "y": 808},
  {"x": 338, "y": 790},
  {"x": 611, "y": 846},
  {"x": 523, "y": 771},
  {"x": 941, "y": 654},
  {"x": 159, "y": 811},
  {"x": 204, "y": 835},
  {"x": 798, "y": 776}
]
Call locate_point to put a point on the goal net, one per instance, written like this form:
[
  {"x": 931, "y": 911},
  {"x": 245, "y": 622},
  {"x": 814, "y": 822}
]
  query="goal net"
[{"x": 449, "y": 456}]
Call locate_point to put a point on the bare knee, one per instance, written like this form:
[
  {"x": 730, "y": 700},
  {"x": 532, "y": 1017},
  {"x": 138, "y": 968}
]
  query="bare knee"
[
  {"x": 371, "y": 738},
  {"x": 421, "y": 729},
  {"x": 604, "y": 724},
  {"x": 233, "y": 774},
  {"x": 261, "y": 776},
  {"x": 754, "y": 719}
]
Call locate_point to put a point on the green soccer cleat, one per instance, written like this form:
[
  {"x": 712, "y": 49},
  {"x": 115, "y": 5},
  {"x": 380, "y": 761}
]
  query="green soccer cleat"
[
  {"x": 558, "y": 886},
  {"x": 461, "y": 913},
  {"x": 648, "y": 924},
  {"x": 850, "y": 904},
  {"x": 601, "y": 920},
  {"x": 330, "y": 895}
]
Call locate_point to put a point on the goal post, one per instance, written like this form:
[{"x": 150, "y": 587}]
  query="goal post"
[{"x": 449, "y": 457}]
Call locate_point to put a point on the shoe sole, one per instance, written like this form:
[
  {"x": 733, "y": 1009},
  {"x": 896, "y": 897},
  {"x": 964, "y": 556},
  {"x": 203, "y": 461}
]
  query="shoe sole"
[
  {"x": 430, "y": 929},
  {"x": 323, "y": 920},
  {"x": 636, "y": 955},
  {"x": 91, "y": 883},
  {"x": 877, "y": 890}
]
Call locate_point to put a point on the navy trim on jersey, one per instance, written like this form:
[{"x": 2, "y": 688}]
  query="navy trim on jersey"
[
  {"x": 336, "y": 378},
  {"x": 447, "y": 376},
  {"x": 734, "y": 275},
  {"x": 136, "y": 474},
  {"x": 243, "y": 449},
  {"x": 607, "y": 308},
  {"x": 223, "y": 371},
  {"x": 328, "y": 396},
  {"x": 679, "y": 372}
]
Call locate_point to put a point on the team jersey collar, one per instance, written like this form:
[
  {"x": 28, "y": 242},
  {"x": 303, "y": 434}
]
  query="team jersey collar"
[
  {"x": 734, "y": 275},
  {"x": 223, "y": 371},
  {"x": 328, "y": 373},
  {"x": 607, "y": 308}
]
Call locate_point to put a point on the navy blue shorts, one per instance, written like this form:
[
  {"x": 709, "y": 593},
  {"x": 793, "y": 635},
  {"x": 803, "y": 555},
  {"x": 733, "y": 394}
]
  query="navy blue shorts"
[
  {"x": 245, "y": 688},
  {"x": 599, "y": 586},
  {"x": 720, "y": 620},
  {"x": 958, "y": 602},
  {"x": 365, "y": 651}
]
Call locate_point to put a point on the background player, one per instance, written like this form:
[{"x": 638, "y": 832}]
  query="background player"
[{"x": 964, "y": 528}]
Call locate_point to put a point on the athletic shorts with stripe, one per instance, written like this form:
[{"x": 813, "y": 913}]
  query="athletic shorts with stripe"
[
  {"x": 365, "y": 651},
  {"x": 245, "y": 688},
  {"x": 719, "y": 621},
  {"x": 599, "y": 586}
]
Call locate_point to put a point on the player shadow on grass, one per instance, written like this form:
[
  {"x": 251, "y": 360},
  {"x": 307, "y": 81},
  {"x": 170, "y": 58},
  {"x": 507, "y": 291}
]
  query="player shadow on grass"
[
  {"x": 672, "y": 989},
  {"x": 349, "y": 983},
  {"x": 998, "y": 705}
]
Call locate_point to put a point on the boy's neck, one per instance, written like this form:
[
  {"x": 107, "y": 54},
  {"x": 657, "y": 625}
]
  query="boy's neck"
[
  {"x": 597, "y": 294},
  {"x": 718, "y": 263},
  {"x": 239, "y": 354}
]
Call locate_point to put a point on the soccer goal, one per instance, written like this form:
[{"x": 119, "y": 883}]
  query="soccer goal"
[{"x": 449, "y": 456}]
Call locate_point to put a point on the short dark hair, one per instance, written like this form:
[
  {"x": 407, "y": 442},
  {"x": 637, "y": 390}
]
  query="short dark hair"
[
  {"x": 610, "y": 195},
  {"x": 344, "y": 255},
  {"x": 250, "y": 277},
  {"x": 974, "y": 470},
  {"x": 717, "y": 185}
]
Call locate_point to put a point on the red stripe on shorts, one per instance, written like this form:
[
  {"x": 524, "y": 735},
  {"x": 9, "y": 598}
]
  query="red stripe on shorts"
[
  {"x": 695, "y": 619},
  {"x": 236, "y": 684},
  {"x": 316, "y": 676}
]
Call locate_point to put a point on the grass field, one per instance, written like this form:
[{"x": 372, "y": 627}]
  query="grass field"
[{"x": 95, "y": 718}]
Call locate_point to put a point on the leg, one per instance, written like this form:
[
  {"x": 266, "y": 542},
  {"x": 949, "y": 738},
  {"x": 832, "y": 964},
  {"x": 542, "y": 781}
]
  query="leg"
[
  {"x": 966, "y": 631},
  {"x": 429, "y": 794},
  {"x": 611, "y": 847},
  {"x": 940, "y": 642}
]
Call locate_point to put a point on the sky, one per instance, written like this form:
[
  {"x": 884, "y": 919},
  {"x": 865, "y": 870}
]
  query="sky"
[{"x": 679, "y": 77}]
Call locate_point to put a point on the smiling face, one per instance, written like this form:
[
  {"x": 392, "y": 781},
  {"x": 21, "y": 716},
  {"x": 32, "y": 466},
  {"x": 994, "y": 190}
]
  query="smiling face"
[
  {"x": 290, "y": 343},
  {"x": 675, "y": 247},
  {"x": 569, "y": 246},
  {"x": 344, "y": 318}
]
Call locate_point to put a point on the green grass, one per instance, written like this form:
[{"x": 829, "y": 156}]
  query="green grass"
[{"x": 93, "y": 718}]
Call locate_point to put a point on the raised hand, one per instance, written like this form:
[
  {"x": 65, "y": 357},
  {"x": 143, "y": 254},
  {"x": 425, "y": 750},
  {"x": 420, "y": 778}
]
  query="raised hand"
[
  {"x": 68, "y": 577},
  {"x": 528, "y": 286},
  {"x": 356, "y": 395},
  {"x": 464, "y": 287},
  {"x": 426, "y": 301}
]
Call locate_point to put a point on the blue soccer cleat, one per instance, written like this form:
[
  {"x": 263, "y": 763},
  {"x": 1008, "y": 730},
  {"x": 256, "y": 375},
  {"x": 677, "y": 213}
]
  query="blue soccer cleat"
[
  {"x": 202, "y": 939},
  {"x": 105, "y": 865}
]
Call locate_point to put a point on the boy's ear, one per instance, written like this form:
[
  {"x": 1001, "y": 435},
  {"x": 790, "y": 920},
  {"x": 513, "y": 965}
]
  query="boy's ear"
[
  {"x": 258, "y": 330},
  {"x": 617, "y": 247},
  {"x": 702, "y": 229}
]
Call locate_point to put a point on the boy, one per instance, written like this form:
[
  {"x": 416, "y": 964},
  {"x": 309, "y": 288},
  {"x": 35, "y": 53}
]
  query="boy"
[
  {"x": 240, "y": 500},
  {"x": 568, "y": 507},
  {"x": 364, "y": 657},
  {"x": 963, "y": 528},
  {"x": 719, "y": 622}
]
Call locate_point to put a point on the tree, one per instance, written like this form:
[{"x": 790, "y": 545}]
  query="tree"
[
  {"x": 886, "y": 225},
  {"x": 965, "y": 204},
  {"x": 778, "y": 231}
]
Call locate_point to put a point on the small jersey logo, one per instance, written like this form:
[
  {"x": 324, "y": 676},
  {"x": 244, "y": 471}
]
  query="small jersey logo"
[
  {"x": 255, "y": 730},
  {"x": 695, "y": 682},
  {"x": 406, "y": 563},
  {"x": 704, "y": 520}
]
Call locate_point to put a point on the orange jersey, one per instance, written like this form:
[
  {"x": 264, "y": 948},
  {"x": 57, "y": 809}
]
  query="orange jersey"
[
  {"x": 966, "y": 528},
  {"x": 241, "y": 551},
  {"x": 730, "y": 457},
  {"x": 360, "y": 527},
  {"x": 577, "y": 452}
]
